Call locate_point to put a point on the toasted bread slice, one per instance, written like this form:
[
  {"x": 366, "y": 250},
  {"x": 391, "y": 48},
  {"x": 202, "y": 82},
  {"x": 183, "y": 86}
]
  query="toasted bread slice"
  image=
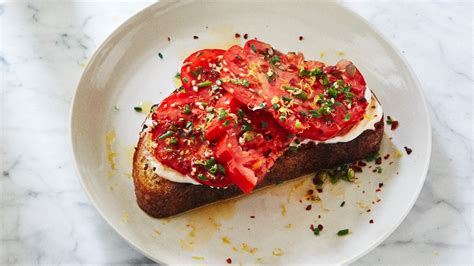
[{"x": 162, "y": 198}]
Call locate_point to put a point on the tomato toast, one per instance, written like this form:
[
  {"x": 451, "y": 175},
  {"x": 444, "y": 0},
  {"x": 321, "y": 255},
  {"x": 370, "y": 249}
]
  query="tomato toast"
[{"x": 249, "y": 117}]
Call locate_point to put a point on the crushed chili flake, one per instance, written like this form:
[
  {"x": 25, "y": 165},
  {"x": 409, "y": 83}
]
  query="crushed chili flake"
[
  {"x": 169, "y": 39},
  {"x": 378, "y": 190},
  {"x": 378, "y": 160},
  {"x": 320, "y": 227},
  {"x": 394, "y": 125},
  {"x": 386, "y": 156},
  {"x": 252, "y": 216},
  {"x": 363, "y": 191},
  {"x": 361, "y": 163},
  {"x": 311, "y": 227},
  {"x": 408, "y": 150},
  {"x": 371, "y": 221},
  {"x": 308, "y": 207},
  {"x": 195, "y": 37},
  {"x": 320, "y": 190},
  {"x": 229, "y": 260},
  {"x": 237, "y": 35},
  {"x": 380, "y": 185},
  {"x": 300, "y": 38},
  {"x": 368, "y": 210},
  {"x": 310, "y": 192},
  {"x": 319, "y": 216},
  {"x": 390, "y": 163},
  {"x": 246, "y": 35}
]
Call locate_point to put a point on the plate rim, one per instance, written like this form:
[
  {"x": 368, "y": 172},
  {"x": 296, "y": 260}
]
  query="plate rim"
[{"x": 162, "y": 4}]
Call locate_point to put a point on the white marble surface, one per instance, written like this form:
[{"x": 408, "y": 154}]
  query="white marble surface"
[{"x": 45, "y": 216}]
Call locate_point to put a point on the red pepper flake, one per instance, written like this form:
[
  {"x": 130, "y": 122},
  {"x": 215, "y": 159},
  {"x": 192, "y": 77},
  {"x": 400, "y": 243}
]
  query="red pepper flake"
[
  {"x": 374, "y": 171},
  {"x": 390, "y": 163},
  {"x": 378, "y": 160},
  {"x": 380, "y": 185},
  {"x": 195, "y": 37},
  {"x": 408, "y": 150},
  {"x": 310, "y": 192},
  {"x": 311, "y": 227},
  {"x": 229, "y": 260},
  {"x": 237, "y": 35},
  {"x": 356, "y": 168},
  {"x": 320, "y": 190},
  {"x": 320, "y": 227},
  {"x": 252, "y": 216},
  {"x": 246, "y": 35},
  {"x": 378, "y": 190},
  {"x": 386, "y": 156},
  {"x": 319, "y": 216},
  {"x": 368, "y": 210},
  {"x": 378, "y": 200},
  {"x": 308, "y": 207},
  {"x": 169, "y": 39},
  {"x": 371, "y": 221},
  {"x": 361, "y": 163},
  {"x": 300, "y": 38},
  {"x": 370, "y": 166},
  {"x": 394, "y": 125},
  {"x": 363, "y": 191},
  {"x": 301, "y": 201}
]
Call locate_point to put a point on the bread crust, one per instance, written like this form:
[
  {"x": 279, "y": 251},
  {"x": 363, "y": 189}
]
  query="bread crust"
[{"x": 161, "y": 198}]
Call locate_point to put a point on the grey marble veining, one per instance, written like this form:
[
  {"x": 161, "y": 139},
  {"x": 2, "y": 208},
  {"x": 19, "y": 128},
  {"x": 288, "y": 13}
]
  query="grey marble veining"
[{"x": 46, "y": 217}]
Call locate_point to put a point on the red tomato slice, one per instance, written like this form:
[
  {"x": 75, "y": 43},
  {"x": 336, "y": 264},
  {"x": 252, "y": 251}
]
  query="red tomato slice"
[
  {"x": 199, "y": 68},
  {"x": 305, "y": 97}
]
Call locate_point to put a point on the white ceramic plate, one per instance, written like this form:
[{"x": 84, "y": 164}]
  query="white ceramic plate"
[{"x": 127, "y": 70}]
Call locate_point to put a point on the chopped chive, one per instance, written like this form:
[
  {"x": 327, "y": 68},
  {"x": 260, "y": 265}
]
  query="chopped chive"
[
  {"x": 197, "y": 71},
  {"x": 289, "y": 88},
  {"x": 178, "y": 75},
  {"x": 389, "y": 120},
  {"x": 204, "y": 84},
  {"x": 325, "y": 80},
  {"x": 241, "y": 114},
  {"x": 173, "y": 141},
  {"x": 246, "y": 127},
  {"x": 304, "y": 113},
  {"x": 298, "y": 124},
  {"x": 202, "y": 177},
  {"x": 275, "y": 106},
  {"x": 286, "y": 99},
  {"x": 316, "y": 231},
  {"x": 138, "y": 108},
  {"x": 275, "y": 59},
  {"x": 343, "y": 232},
  {"x": 189, "y": 124},
  {"x": 316, "y": 72},
  {"x": 226, "y": 123},
  {"x": 160, "y": 55},
  {"x": 264, "y": 124},
  {"x": 223, "y": 114},
  {"x": 314, "y": 114},
  {"x": 303, "y": 96},
  {"x": 187, "y": 109},
  {"x": 167, "y": 134},
  {"x": 185, "y": 80},
  {"x": 198, "y": 54},
  {"x": 245, "y": 83},
  {"x": 116, "y": 107}
]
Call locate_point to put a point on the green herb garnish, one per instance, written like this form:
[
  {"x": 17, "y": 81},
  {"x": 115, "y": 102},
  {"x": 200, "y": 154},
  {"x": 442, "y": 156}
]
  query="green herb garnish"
[
  {"x": 138, "y": 108},
  {"x": 167, "y": 134},
  {"x": 160, "y": 55},
  {"x": 187, "y": 109},
  {"x": 204, "y": 84},
  {"x": 343, "y": 232}
]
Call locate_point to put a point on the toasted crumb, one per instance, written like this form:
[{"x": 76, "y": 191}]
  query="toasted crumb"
[{"x": 277, "y": 252}]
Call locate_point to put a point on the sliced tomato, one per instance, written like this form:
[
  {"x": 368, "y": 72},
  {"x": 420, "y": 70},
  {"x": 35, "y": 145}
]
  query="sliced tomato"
[
  {"x": 200, "y": 68},
  {"x": 243, "y": 177},
  {"x": 305, "y": 97}
]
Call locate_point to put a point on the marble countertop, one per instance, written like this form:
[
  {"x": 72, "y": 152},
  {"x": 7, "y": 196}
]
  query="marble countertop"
[{"x": 45, "y": 215}]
